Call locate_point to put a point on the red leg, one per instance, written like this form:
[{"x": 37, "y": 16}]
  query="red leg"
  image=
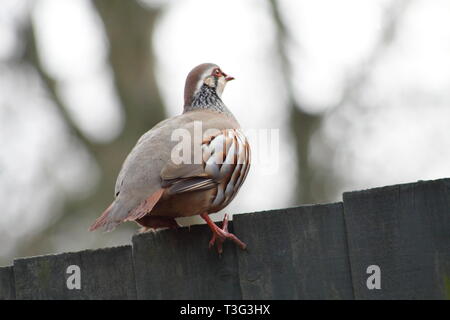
[{"x": 221, "y": 234}]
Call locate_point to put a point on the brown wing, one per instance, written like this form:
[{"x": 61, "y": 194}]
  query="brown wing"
[{"x": 225, "y": 162}]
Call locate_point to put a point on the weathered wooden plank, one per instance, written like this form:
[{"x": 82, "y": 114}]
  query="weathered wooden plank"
[
  {"x": 105, "y": 274},
  {"x": 297, "y": 253},
  {"x": 405, "y": 230},
  {"x": 7, "y": 288},
  {"x": 177, "y": 264}
]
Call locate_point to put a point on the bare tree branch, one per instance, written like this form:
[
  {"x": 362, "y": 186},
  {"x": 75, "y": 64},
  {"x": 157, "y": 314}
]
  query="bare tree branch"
[
  {"x": 128, "y": 27},
  {"x": 304, "y": 125},
  {"x": 354, "y": 84},
  {"x": 31, "y": 56}
]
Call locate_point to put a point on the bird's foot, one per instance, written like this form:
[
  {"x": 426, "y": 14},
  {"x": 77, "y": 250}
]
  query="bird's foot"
[{"x": 221, "y": 234}]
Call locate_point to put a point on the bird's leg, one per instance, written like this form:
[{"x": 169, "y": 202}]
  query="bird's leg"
[
  {"x": 155, "y": 222},
  {"x": 221, "y": 234}
]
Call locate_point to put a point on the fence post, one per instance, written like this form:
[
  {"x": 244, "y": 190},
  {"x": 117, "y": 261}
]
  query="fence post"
[
  {"x": 177, "y": 264},
  {"x": 405, "y": 231},
  {"x": 297, "y": 253},
  {"x": 7, "y": 287},
  {"x": 90, "y": 274}
]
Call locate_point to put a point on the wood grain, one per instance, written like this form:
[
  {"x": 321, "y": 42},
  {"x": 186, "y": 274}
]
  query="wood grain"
[
  {"x": 405, "y": 230},
  {"x": 297, "y": 253},
  {"x": 105, "y": 274}
]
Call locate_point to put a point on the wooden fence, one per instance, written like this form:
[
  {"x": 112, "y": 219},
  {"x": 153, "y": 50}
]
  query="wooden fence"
[{"x": 384, "y": 243}]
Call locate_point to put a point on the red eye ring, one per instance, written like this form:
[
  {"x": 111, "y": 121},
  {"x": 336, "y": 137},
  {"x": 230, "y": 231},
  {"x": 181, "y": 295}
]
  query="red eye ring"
[{"x": 217, "y": 73}]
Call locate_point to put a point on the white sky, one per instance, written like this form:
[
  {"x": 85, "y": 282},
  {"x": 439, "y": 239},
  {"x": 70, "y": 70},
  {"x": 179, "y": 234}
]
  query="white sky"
[{"x": 399, "y": 133}]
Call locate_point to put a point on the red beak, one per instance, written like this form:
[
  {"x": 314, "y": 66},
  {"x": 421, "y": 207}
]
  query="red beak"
[{"x": 229, "y": 78}]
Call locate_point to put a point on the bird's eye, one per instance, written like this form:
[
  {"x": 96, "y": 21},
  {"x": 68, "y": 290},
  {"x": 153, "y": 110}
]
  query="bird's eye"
[{"x": 217, "y": 72}]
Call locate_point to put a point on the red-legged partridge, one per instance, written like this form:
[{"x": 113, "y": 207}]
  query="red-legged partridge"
[{"x": 153, "y": 188}]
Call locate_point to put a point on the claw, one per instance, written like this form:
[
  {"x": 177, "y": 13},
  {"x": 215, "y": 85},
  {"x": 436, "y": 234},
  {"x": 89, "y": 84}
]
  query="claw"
[{"x": 221, "y": 234}]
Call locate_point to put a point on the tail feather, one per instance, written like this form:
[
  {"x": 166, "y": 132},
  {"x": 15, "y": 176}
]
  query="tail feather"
[
  {"x": 102, "y": 220},
  {"x": 112, "y": 216},
  {"x": 145, "y": 207}
]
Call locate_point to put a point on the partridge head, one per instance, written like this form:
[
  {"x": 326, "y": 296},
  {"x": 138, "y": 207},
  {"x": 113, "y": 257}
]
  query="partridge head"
[{"x": 154, "y": 187}]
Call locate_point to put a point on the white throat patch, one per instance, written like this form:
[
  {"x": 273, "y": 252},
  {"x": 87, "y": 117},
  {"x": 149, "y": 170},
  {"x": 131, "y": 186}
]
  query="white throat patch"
[{"x": 202, "y": 80}]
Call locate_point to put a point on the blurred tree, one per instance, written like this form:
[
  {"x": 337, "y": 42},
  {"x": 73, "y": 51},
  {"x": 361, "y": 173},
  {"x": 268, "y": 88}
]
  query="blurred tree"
[
  {"x": 129, "y": 27},
  {"x": 318, "y": 181}
]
